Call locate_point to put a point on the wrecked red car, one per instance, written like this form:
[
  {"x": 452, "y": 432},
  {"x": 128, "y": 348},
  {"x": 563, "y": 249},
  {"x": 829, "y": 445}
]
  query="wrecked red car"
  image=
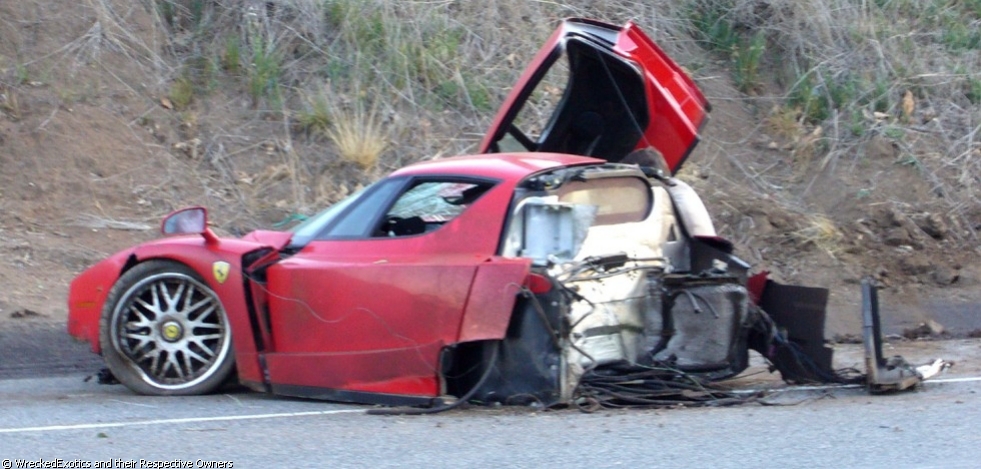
[{"x": 563, "y": 263}]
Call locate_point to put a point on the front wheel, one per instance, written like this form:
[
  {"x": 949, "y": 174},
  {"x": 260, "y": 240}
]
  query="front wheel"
[{"x": 163, "y": 331}]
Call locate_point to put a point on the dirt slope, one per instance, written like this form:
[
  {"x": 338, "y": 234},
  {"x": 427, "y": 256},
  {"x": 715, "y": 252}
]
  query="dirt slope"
[{"x": 93, "y": 152}]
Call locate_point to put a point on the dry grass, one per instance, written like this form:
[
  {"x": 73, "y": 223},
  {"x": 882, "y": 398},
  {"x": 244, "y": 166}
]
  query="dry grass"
[
  {"x": 821, "y": 232},
  {"x": 359, "y": 137},
  {"x": 9, "y": 104},
  {"x": 842, "y": 72},
  {"x": 315, "y": 117},
  {"x": 425, "y": 77}
]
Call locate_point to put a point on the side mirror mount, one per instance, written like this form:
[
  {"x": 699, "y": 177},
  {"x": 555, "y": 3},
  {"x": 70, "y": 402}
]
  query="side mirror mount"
[{"x": 191, "y": 220}]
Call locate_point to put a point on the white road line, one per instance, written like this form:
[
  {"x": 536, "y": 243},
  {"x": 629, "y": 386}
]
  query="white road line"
[
  {"x": 953, "y": 380},
  {"x": 220, "y": 418},
  {"x": 827, "y": 387}
]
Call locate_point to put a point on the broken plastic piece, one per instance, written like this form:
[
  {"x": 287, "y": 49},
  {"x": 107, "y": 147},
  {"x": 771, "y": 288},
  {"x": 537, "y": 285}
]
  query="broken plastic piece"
[{"x": 893, "y": 374}]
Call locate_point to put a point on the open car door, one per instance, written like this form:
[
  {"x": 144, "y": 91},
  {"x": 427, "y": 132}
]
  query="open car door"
[{"x": 599, "y": 90}]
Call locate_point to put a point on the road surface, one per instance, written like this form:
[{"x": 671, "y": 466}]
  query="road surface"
[{"x": 56, "y": 414}]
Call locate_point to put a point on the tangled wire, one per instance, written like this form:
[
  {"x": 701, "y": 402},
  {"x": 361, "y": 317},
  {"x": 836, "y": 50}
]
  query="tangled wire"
[{"x": 636, "y": 386}]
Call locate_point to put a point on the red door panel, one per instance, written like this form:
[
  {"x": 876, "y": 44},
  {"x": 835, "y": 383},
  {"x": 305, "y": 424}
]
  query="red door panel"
[{"x": 365, "y": 322}]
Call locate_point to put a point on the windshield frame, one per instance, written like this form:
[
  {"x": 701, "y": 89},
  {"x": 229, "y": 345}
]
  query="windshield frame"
[{"x": 312, "y": 227}]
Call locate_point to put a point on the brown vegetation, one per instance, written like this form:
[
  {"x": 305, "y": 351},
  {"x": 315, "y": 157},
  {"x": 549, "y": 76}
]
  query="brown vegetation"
[{"x": 846, "y": 136}]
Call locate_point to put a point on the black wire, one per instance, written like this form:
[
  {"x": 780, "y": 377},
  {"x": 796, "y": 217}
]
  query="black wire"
[
  {"x": 643, "y": 387},
  {"x": 537, "y": 306},
  {"x": 694, "y": 304}
]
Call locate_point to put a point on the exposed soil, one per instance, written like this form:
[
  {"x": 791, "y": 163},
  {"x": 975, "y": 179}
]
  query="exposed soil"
[{"x": 91, "y": 157}]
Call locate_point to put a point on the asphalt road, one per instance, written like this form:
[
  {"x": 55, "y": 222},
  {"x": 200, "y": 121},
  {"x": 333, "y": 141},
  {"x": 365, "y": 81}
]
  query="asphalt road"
[
  {"x": 66, "y": 418},
  {"x": 34, "y": 347},
  {"x": 58, "y": 415}
]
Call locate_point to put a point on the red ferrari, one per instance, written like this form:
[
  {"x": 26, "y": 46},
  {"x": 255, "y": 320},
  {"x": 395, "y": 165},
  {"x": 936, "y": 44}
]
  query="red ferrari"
[{"x": 561, "y": 259}]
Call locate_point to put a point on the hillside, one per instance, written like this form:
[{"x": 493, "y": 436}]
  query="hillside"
[{"x": 845, "y": 137}]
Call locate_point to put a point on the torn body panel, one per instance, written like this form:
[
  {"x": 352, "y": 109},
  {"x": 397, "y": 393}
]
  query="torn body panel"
[
  {"x": 888, "y": 374},
  {"x": 529, "y": 368}
]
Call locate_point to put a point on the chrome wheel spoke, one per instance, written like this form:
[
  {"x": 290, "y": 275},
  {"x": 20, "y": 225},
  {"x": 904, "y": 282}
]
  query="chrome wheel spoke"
[
  {"x": 175, "y": 365},
  {"x": 188, "y": 297},
  {"x": 205, "y": 314},
  {"x": 207, "y": 326},
  {"x": 154, "y": 290},
  {"x": 155, "y": 363},
  {"x": 153, "y": 308},
  {"x": 171, "y": 300},
  {"x": 188, "y": 356},
  {"x": 200, "y": 324},
  {"x": 143, "y": 338},
  {"x": 191, "y": 308},
  {"x": 151, "y": 353},
  {"x": 209, "y": 351},
  {"x": 201, "y": 337},
  {"x": 143, "y": 320}
]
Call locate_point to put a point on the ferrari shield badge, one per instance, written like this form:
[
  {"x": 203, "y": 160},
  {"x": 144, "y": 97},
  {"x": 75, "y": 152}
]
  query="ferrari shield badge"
[{"x": 220, "y": 270}]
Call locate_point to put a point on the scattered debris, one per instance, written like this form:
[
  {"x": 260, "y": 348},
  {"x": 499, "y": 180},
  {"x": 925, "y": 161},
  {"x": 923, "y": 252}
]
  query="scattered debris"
[
  {"x": 891, "y": 374},
  {"x": 930, "y": 328},
  {"x": 847, "y": 339},
  {"x": 25, "y": 313},
  {"x": 105, "y": 376}
]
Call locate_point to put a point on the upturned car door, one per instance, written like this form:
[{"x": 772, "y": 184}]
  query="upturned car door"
[
  {"x": 603, "y": 91},
  {"x": 364, "y": 310}
]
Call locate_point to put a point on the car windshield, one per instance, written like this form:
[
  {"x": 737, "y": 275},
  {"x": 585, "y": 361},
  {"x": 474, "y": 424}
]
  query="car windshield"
[{"x": 304, "y": 232}]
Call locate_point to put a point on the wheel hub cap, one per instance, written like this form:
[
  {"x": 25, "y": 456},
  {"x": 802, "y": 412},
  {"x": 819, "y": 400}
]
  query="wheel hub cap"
[{"x": 171, "y": 331}]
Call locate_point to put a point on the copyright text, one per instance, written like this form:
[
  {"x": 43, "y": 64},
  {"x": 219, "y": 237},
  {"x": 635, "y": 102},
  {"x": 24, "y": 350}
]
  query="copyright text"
[{"x": 114, "y": 463}]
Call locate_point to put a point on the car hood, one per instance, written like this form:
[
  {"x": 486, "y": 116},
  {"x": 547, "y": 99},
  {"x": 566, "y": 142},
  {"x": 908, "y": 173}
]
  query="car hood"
[{"x": 274, "y": 239}]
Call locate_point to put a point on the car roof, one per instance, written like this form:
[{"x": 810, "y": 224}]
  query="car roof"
[{"x": 505, "y": 166}]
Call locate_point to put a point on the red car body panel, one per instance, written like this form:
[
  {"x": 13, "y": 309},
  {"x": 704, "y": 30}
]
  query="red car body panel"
[
  {"x": 491, "y": 299},
  {"x": 678, "y": 108},
  {"x": 385, "y": 307},
  {"x": 87, "y": 296},
  {"x": 384, "y": 331},
  {"x": 678, "y": 105},
  {"x": 88, "y": 292}
]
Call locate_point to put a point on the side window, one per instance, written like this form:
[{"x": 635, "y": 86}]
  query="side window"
[{"x": 427, "y": 205}]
